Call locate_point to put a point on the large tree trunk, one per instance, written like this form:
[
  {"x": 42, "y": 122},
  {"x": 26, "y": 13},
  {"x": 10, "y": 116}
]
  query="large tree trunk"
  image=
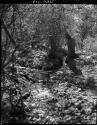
[
  {"x": 71, "y": 45},
  {"x": 71, "y": 54}
]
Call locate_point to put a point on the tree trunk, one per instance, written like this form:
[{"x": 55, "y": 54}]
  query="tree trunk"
[
  {"x": 71, "y": 45},
  {"x": 71, "y": 54}
]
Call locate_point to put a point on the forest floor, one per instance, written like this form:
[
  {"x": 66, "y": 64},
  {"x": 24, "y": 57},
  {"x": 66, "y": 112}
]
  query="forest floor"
[{"x": 61, "y": 97}]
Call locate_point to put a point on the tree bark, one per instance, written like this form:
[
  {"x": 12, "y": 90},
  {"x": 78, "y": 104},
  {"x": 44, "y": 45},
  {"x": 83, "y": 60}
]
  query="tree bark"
[
  {"x": 71, "y": 45},
  {"x": 71, "y": 54}
]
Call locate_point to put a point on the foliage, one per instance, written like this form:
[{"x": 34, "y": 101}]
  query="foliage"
[{"x": 32, "y": 95}]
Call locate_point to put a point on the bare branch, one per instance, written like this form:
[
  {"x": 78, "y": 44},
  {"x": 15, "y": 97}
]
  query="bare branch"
[
  {"x": 7, "y": 32},
  {"x": 11, "y": 57}
]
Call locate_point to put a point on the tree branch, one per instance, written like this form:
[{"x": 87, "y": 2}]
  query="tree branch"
[
  {"x": 12, "y": 41},
  {"x": 7, "y": 32}
]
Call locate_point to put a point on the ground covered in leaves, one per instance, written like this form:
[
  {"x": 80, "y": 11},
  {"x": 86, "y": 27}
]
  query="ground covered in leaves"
[{"x": 60, "y": 97}]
